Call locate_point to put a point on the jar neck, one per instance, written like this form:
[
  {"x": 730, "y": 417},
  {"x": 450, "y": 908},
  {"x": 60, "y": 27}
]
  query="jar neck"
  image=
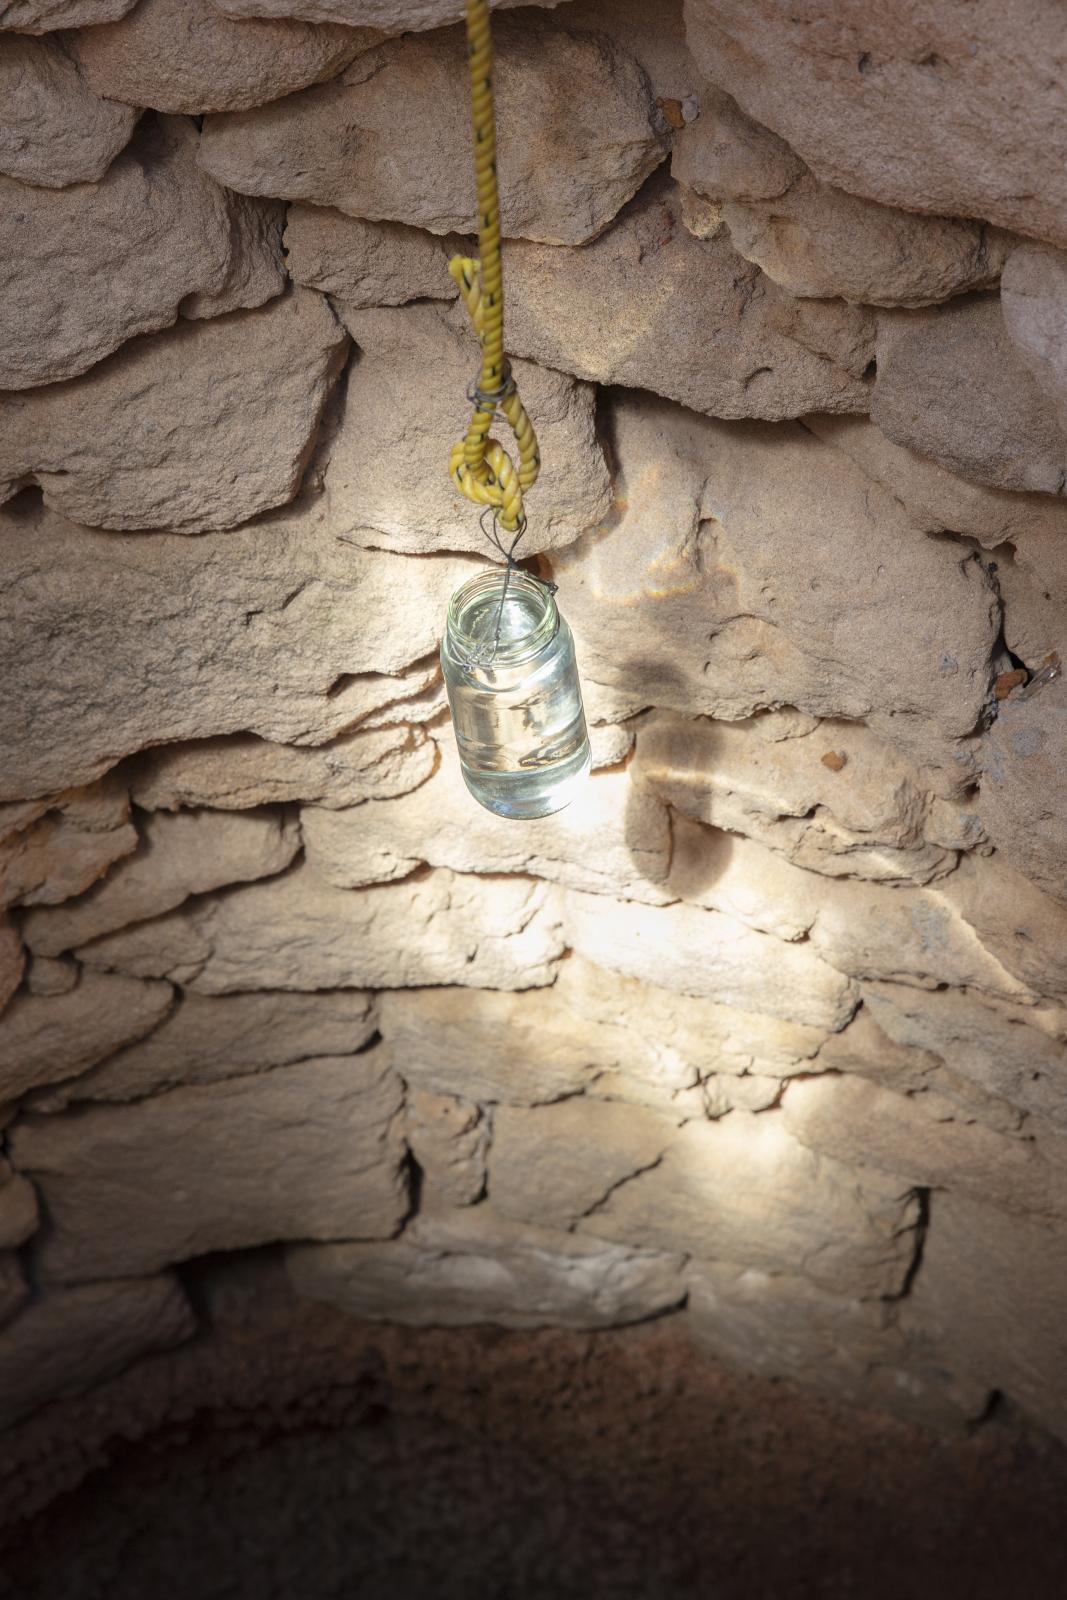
[{"x": 503, "y": 626}]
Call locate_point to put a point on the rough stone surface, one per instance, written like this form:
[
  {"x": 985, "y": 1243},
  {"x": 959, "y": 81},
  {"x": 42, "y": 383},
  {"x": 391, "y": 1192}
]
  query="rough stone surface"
[
  {"x": 706, "y": 953},
  {"x": 818, "y": 241},
  {"x": 12, "y": 961},
  {"x": 365, "y": 263},
  {"x": 298, "y": 932},
  {"x": 187, "y": 55},
  {"x": 76, "y": 838},
  {"x": 952, "y": 385},
  {"x": 448, "y": 1138},
  {"x": 44, "y": 16},
  {"x": 593, "y": 1030},
  {"x": 196, "y": 428},
  {"x": 18, "y": 1208},
  {"x": 741, "y": 1187},
  {"x": 1023, "y": 928},
  {"x": 746, "y": 566},
  {"x": 454, "y": 1268},
  {"x": 14, "y": 1290},
  {"x": 936, "y": 500},
  {"x": 91, "y": 266},
  {"x": 1003, "y": 1050},
  {"x": 1023, "y": 801},
  {"x": 67, "y": 1340},
  {"x": 865, "y": 820},
  {"x": 780, "y": 1325},
  {"x": 724, "y": 155},
  {"x": 893, "y": 106},
  {"x": 392, "y": 413},
  {"x": 610, "y": 312},
  {"x": 1033, "y": 298},
  {"x": 190, "y": 1166},
  {"x": 991, "y": 1298},
  {"x": 177, "y": 857},
  {"x": 389, "y": 139},
  {"x": 924, "y": 1137},
  {"x": 394, "y": 16},
  {"x": 280, "y": 629},
  {"x": 56, "y": 131},
  {"x": 611, "y": 839},
  {"x": 45, "y": 1038},
  {"x": 236, "y": 773},
  {"x": 209, "y": 1037}
]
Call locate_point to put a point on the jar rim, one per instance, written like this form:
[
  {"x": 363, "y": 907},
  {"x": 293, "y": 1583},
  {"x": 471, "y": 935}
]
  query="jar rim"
[{"x": 490, "y": 583}]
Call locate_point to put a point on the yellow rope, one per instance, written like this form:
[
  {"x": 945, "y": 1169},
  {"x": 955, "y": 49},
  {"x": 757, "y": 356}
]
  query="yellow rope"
[{"x": 479, "y": 466}]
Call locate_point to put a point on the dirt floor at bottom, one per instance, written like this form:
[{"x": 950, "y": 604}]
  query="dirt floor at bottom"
[{"x": 297, "y": 1455}]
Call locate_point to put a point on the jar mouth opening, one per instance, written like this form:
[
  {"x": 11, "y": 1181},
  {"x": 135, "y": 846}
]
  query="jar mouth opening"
[{"x": 528, "y": 620}]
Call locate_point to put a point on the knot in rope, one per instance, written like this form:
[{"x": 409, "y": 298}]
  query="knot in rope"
[{"x": 479, "y": 465}]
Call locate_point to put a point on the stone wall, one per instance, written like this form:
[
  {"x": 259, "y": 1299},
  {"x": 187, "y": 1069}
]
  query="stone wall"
[{"x": 766, "y": 1032}]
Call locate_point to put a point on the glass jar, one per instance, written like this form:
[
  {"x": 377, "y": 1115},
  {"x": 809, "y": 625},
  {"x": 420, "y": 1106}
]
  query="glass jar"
[{"x": 512, "y": 681}]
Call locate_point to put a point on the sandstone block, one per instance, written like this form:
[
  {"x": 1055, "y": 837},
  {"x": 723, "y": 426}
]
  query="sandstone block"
[
  {"x": 18, "y": 1208},
  {"x": 991, "y": 1299},
  {"x": 937, "y": 500},
  {"x": 14, "y": 1290},
  {"x": 365, "y": 263},
  {"x": 209, "y": 1037},
  {"x": 297, "y": 932},
  {"x": 48, "y": 977},
  {"x": 56, "y": 130},
  {"x": 1033, "y": 582},
  {"x": 1033, "y": 299},
  {"x": 1023, "y": 798},
  {"x": 196, "y": 428},
  {"x": 741, "y": 1189},
  {"x": 815, "y": 240},
  {"x": 44, "y": 16},
  {"x": 592, "y": 1028},
  {"x": 898, "y": 934},
  {"x": 242, "y": 771},
  {"x": 622, "y": 310},
  {"x": 612, "y": 839},
  {"x": 460, "y": 1267},
  {"x": 655, "y": 38},
  {"x": 863, "y": 1049},
  {"x": 187, "y": 55},
  {"x": 46, "y": 1038},
  {"x": 448, "y": 1138},
  {"x": 1025, "y": 929},
  {"x": 1004, "y": 1050},
  {"x": 724, "y": 155},
  {"x": 178, "y": 856},
  {"x": 402, "y": 111},
  {"x": 952, "y": 385},
  {"x": 393, "y": 16},
  {"x": 888, "y": 106},
  {"x": 91, "y": 267},
  {"x": 190, "y": 1167},
  {"x": 12, "y": 961},
  {"x": 76, "y": 838},
  {"x": 727, "y": 873},
  {"x": 923, "y": 1137},
  {"x": 67, "y": 1340},
  {"x": 553, "y": 1165},
  {"x": 748, "y": 567},
  {"x": 279, "y": 629},
  {"x": 396, "y": 411},
  {"x": 866, "y": 819},
  {"x": 706, "y": 953},
  {"x": 780, "y": 1325}
]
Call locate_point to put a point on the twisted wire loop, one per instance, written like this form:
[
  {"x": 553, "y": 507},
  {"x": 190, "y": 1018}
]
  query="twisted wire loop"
[{"x": 479, "y": 466}]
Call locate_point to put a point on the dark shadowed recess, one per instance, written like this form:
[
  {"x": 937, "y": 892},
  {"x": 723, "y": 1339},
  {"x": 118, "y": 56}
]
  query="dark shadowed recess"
[{"x": 295, "y": 1454}]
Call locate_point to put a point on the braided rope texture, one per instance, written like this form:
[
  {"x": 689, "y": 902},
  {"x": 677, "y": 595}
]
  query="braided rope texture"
[{"x": 479, "y": 466}]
